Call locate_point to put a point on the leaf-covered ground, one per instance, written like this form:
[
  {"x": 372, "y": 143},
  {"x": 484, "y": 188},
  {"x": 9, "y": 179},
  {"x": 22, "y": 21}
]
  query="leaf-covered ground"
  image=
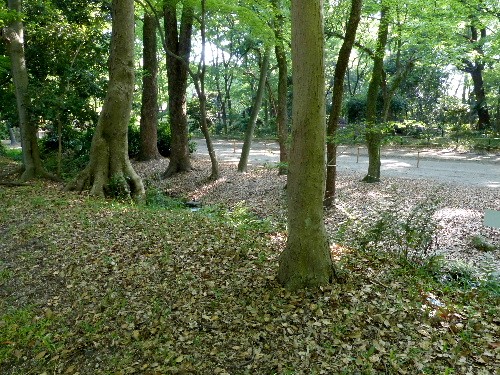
[{"x": 98, "y": 287}]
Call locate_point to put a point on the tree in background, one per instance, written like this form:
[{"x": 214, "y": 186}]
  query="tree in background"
[
  {"x": 337, "y": 95},
  {"x": 178, "y": 41},
  {"x": 282, "y": 102},
  {"x": 306, "y": 261},
  {"x": 109, "y": 166},
  {"x": 264, "y": 66},
  {"x": 373, "y": 133},
  {"x": 149, "y": 105},
  {"x": 14, "y": 36}
]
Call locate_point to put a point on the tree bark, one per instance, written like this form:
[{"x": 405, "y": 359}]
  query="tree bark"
[
  {"x": 149, "y": 106},
  {"x": 306, "y": 261},
  {"x": 373, "y": 134},
  {"x": 247, "y": 144},
  {"x": 14, "y": 35},
  {"x": 337, "y": 94},
  {"x": 109, "y": 163},
  {"x": 475, "y": 69},
  {"x": 282, "y": 107},
  {"x": 179, "y": 43}
]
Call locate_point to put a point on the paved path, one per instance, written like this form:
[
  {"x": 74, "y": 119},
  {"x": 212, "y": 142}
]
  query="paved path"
[{"x": 467, "y": 169}]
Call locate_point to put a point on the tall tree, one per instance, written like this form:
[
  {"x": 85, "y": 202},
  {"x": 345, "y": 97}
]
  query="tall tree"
[
  {"x": 109, "y": 160},
  {"x": 306, "y": 261},
  {"x": 475, "y": 67},
  {"x": 337, "y": 95},
  {"x": 247, "y": 144},
  {"x": 373, "y": 132},
  {"x": 282, "y": 105},
  {"x": 178, "y": 41},
  {"x": 14, "y": 36},
  {"x": 149, "y": 106}
]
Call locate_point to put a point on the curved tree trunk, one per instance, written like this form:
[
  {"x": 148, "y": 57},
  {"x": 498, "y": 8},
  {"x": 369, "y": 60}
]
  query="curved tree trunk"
[
  {"x": 337, "y": 94},
  {"x": 149, "y": 107},
  {"x": 109, "y": 162},
  {"x": 242, "y": 165},
  {"x": 282, "y": 107},
  {"x": 306, "y": 261},
  {"x": 179, "y": 43},
  {"x": 14, "y": 35},
  {"x": 373, "y": 134}
]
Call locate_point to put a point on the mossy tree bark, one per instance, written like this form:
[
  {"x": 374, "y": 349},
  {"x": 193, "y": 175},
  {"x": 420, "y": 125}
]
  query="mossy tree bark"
[
  {"x": 109, "y": 160},
  {"x": 282, "y": 106},
  {"x": 178, "y": 42},
  {"x": 337, "y": 94},
  {"x": 14, "y": 36},
  {"x": 373, "y": 133},
  {"x": 149, "y": 106},
  {"x": 247, "y": 144},
  {"x": 306, "y": 261}
]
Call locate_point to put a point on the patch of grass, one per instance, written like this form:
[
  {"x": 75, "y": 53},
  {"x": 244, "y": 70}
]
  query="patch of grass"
[
  {"x": 482, "y": 244},
  {"x": 25, "y": 334}
]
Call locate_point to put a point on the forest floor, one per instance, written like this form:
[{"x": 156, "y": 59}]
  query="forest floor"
[{"x": 90, "y": 286}]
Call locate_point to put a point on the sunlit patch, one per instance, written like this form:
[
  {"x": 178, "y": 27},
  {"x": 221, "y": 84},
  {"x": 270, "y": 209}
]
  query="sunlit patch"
[
  {"x": 493, "y": 184},
  {"x": 394, "y": 164},
  {"x": 338, "y": 251},
  {"x": 198, "y": 194},
  {"x": 450, "y": 213}
]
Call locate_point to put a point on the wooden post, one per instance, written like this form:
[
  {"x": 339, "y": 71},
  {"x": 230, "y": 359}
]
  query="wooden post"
[
  {"x": 357, "y": 157},
  {"x": 418, "y": 158}
]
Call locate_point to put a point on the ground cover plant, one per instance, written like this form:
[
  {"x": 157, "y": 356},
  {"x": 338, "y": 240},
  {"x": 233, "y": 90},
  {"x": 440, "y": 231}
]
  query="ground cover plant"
[{"x": 96, "y": 287}]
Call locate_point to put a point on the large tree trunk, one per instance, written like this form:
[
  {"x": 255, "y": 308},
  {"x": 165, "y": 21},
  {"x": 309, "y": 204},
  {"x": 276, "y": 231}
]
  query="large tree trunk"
[
  {"x": 337, "y": 94},
  {"x": 149, "y": 108},
  {"x": 14, "y": 35},
  {"x": 109, "y": 167},
  {"x": 247, "y": 144},
  {"x": 179, "y": 43},
  {"x": 373, "y": 133},
  {"x": 475, "y": 69},
  {"x": 306, "y": 261},
  {"x": 282, "y": 107}
]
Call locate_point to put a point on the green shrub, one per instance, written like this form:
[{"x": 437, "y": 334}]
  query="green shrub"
[
  {"x": 411, "y": 234},
  {"x": 482, "y": 244},
  {"x": 3, "y": 150}
]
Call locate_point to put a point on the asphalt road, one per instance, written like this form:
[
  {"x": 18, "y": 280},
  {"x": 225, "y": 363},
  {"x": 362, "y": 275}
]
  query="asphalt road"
[{"x": 468, "y": 169}]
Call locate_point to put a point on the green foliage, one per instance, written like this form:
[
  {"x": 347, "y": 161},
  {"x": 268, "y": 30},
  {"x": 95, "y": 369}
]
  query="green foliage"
[
  {"x": 163, "y": 141},
  {"x": 22, "y": 328},
  {"x": 118, "y": 188},
  {"x": 482, "y": 244},
  {"x": 240, "y": 217},
  {"x": 155, "y": 198},
  {"x": 411, "y": 234}
]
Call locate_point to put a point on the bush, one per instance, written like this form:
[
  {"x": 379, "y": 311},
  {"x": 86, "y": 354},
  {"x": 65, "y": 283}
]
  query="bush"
[
  {"x": 410, "y": 234},
  {"x": 163, "y": 142},
  {"x": 3, "y": 150}
]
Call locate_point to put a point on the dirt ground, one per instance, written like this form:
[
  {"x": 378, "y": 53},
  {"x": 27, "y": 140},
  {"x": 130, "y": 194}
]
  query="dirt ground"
[{"x": 464, "y": 184}]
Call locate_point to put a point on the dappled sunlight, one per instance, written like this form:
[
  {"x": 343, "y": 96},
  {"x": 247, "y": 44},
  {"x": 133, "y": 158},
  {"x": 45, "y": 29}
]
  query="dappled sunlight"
[
  {"x": 394, "y": 164},
  {"x": 453, "y": 212}
]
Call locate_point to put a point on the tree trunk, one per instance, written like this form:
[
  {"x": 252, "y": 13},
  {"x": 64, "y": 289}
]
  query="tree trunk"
[
  {"x": 199, "y": 82},
  {"x": 483, "y": 114},
  {"x": 282, "y": 107},
  {"x": 149, "y": 106},
  {"x": 337, "y": 94},
  {"x": 179, "y": 43},
  {"x": 14, "y": 35},
  {"x": 306, "y": 261},
  {"x": 247, "y": 144},
  {"x": 109, "y": 167},
  {"x": 373, "y": 133},
  {"x": 12, "y": 136}
]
